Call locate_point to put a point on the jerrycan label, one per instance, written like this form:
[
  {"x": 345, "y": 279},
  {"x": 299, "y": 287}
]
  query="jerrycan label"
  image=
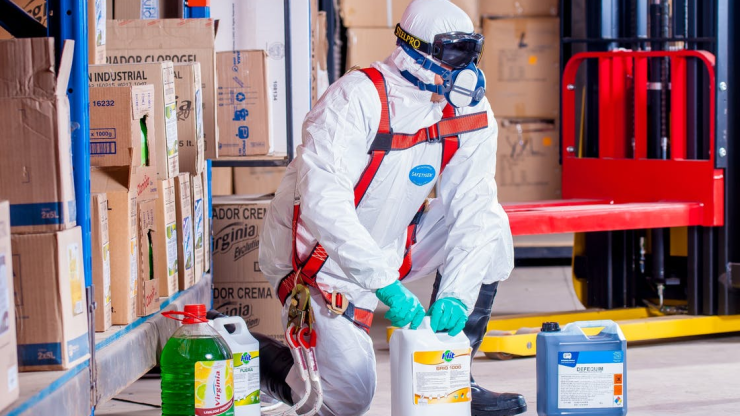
[
  {"x": 441, "y": 377},
  {"x": 214, "y": 391},
  {"x": 246, "y": 379},
  {"x": 590, "y": 379}
]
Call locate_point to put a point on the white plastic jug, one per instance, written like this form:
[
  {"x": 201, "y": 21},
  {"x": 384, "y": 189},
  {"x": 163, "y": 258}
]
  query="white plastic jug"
[
  {"x": 430, "y": 373},
  {"x": 245, "y": 349}
]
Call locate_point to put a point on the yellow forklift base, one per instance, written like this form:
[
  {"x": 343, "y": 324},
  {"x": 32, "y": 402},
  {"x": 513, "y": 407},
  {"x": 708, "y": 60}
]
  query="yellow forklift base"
[{"x": 516, "y": 335}]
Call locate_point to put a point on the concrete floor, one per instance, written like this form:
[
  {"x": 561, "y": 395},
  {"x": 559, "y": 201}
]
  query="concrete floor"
[{"x": 696, "y": 377}]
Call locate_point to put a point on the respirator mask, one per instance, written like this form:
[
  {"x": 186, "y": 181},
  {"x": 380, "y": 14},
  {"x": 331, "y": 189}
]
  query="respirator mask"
[{"x": 464, "y": 84}]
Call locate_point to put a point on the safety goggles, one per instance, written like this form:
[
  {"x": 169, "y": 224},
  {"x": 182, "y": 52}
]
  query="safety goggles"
[{"x": 455, "y": 49}]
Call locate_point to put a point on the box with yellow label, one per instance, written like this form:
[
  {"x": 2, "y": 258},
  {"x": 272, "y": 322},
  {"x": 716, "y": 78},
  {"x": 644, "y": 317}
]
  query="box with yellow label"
[
  {"x": 185, "y": 241},
  {"x": 50, "y": 300},
  {"x": 101, "y": 260},
  {"x": 8, "y": 357},
  {"x": 165, "y": 241},
  {"x": 207, "y": 223},
  {"x": 147, "y": 297},
  {"x": 199, "y": 219}
]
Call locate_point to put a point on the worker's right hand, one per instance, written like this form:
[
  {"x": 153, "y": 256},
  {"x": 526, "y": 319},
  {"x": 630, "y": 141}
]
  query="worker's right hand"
[{"x": 405, "y": 307}]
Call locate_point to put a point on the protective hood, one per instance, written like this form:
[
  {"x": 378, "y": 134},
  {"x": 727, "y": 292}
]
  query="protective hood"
[{"x": 425, "y": 19}]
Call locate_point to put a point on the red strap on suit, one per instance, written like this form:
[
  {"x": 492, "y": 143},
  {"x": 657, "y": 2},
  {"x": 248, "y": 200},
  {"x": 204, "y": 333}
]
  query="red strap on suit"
[{"x": 445, "y": 131}]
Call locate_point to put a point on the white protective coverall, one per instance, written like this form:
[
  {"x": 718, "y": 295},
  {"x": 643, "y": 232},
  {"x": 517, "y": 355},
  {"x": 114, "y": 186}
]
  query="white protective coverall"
[{"x": 464, "y": 234}]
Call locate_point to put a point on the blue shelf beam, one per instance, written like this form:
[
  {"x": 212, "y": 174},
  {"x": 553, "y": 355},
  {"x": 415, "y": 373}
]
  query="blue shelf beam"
[{"x": 68, "y": 21}]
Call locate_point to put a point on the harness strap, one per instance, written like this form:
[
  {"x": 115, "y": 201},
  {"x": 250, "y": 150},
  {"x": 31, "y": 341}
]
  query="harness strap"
[
  {"x": 446, "y": 131},
  {"x": 410, "y": 241},
  {"x": 447, "y": 127}
]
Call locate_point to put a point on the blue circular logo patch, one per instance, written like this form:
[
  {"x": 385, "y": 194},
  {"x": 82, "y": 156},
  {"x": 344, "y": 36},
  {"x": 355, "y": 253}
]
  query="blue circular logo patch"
[{"x": 422, "y": 175}]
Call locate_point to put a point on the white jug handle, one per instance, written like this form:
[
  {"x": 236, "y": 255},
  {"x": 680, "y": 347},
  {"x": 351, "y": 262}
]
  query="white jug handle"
[
  {"x": 237, "y": 321},
  {"x": 609, "y": 326},
  {"x": 426, "y": 324}
]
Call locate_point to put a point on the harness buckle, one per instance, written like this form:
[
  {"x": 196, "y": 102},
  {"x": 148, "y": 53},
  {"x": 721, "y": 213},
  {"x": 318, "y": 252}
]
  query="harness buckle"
[
  {"x": 299, "y": 311},
  {"x": 338, "y": 309},
  {"x": 433, "y": 138}
]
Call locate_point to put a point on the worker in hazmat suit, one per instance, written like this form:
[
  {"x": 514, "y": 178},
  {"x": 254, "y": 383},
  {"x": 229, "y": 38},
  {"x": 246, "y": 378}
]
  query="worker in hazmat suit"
[{"x": 350, "y": 221}]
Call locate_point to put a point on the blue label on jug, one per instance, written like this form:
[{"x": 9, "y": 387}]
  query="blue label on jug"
[
  {"x": 591, "y": 379},
  {"x": 570, "y": 359}
]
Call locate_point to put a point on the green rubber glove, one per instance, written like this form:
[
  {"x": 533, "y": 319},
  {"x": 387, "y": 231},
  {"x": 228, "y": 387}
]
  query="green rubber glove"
[
  {"x": 448, "y": 315},
  {"x": 405, "y": 307}
]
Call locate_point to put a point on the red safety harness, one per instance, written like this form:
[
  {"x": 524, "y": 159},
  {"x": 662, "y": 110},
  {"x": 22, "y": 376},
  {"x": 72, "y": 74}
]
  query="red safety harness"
[{"x": 446, "y": 131}]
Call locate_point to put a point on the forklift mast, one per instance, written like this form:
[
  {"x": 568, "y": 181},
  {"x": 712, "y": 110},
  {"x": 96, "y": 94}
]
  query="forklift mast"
[{"x": 691, "y": 267}]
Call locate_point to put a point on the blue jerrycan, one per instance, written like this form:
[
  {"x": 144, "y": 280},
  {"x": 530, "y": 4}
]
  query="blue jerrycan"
[{"x": 580, "y": 374}]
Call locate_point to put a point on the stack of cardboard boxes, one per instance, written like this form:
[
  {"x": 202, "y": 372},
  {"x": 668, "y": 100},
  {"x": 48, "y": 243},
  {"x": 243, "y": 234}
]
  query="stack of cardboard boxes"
[
  {"x": 151, "y": 130},
  {"x": 239, "y": 288},
  {"x": 47, "y": 294},
  {"x": 521, "y": 61}
]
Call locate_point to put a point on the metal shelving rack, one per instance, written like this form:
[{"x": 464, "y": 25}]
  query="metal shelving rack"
[{"x": 122, "y": 355}]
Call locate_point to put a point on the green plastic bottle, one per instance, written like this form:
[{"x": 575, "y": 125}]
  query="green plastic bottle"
[{"x": 197, "y": 368}]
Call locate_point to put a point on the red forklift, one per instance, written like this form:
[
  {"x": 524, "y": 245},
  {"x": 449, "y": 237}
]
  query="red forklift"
[{"x": 648, "y": 179}]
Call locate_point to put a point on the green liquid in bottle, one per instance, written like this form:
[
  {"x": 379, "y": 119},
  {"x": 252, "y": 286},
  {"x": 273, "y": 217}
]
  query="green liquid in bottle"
[{"x": 196, "y": 354}]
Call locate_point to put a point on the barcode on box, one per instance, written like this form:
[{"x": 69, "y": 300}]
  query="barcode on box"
[{"x": 103, "y": 148}]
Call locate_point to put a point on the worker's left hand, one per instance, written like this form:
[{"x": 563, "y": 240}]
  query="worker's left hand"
[{"x": 448, "y": 315}]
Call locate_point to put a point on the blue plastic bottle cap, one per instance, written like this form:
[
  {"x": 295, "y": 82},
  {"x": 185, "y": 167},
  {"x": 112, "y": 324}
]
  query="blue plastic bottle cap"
[{"x": 550, "y": 327}]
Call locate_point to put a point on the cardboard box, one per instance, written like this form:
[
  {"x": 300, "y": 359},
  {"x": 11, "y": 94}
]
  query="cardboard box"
[
  {"x": 35, "y": 8},
  {"x": 222, "y": 182},
  {"x": 319, "y": 59},
  {"x": 260, "y": 24},
  {"x": 367, "y": 45},
  {"x": 51, "y": 304},
  {"x": 162, "y": 76},
  {"x": 136, "y": 9},
  {"x": 123, "y": 242},
  {"x": 96, "y": 36},
  {"x": 185, "y": 243},
  {"x": 145, "y": 9},
  {"x": 258, "y": 180},
  {"x": 199, "y": 220},
  {"x": 527, "y": 167},
  {"x": 244, "y": 110},
  {"x": 147, "y": 299},
  {"x": 190, "y": 117},
  {"x": 8, "y": 354},
  {"x": 35, "y": 148},
  {"x": 165, "y": 241},
  {"x": 101, "y": 260},
  {"x": 117, "y": 137},
  {"x": 256, "y": 303},
  {"x": 207, "y": 224},
  {"x": 363, "y": 13},
  {"x": 237, "y": 223},
  {"x": 522, "y": 67},
  {"x": 124, "y": 187},
  {"x": 176, "y": 40},
  {"x": 518, "y": 8}
]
